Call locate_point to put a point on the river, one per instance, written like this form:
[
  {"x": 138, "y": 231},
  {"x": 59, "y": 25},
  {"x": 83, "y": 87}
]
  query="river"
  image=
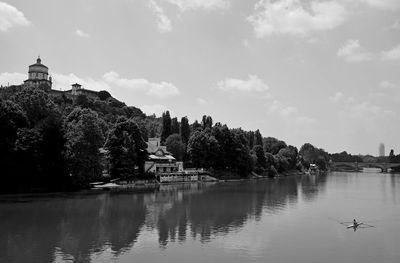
[{"x": 292, "y": 219}]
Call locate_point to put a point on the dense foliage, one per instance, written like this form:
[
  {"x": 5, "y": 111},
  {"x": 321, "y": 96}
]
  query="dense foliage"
[{"x": 54, "y": 141}]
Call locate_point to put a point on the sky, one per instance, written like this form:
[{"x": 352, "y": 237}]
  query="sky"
[{"x": 319, "y": 71}]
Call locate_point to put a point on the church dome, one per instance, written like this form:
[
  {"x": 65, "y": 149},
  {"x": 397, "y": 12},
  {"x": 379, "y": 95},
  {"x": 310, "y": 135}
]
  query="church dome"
[{"x": 38, "y": 67}]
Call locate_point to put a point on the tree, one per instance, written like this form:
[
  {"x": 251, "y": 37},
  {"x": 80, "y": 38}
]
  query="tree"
[
  {"x": 82, "y": 101},
  {"x": 36, "y": 104},
  {"x": 391, "y": 156},
  {"x": 174, "y": 125},
  {"x": 103, "y": 95},
  {"x": 41, "y": 146},
  {"x": 196, "y": 126},
  {"x": 175, "y": 146},
  {"x": 258, "y": 138},
  {"x": 203, "y": 149},
  {"x": 52, "y": 158},
  {"x": 84, "y": 138},
  {"x": 273, "y": 145},
  {"x": 166, "y": 126},
  {"x": 251, "y": 139},
  {"x": 260, "y": 157},
  {"x": 290, "y": 153},
  {"x": 206, "y": 122},
  {"x": 12, "y": 120},
  {"x": 127, "y": 149},
  {"x": 185, "y": 130}
]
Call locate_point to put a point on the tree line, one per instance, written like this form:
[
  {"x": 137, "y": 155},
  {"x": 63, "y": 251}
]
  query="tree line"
[{"x": 56, "y": 142}]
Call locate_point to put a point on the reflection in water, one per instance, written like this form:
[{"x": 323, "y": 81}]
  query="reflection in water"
[
  {"x": 311, "y": 185},
  {"x": 79, "y": 226}
]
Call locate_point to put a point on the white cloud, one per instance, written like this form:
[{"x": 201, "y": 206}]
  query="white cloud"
[
  {"x": 12, "y": 78},
  {"x": 305, "y": 120},
  {"x": 361, "y": 110},
  {"x": 386, "y": 85},
  {"x": 81, "y": 33},
  {"x": 352, "y": 51},
  {"x": 11, "y": 16},
  {"x": 337, "y": 97},
  {"x": 201, "y": 101},
  {"x": 185, "y": 5},
  {"x": 381, "y": 4},
  {"x": 252, "y": 84},
  {"x": 163, "y": 22},
  {"x": 294, "y": 17},
  {"x": 160, "y": 90},
  {"x": 278, "y": 107},
  {"x": 367, "y": 111},
  {"x": 156, "y": 109},
  {"x": 396, "y": 25},
  {"x": 392, "y": 54}
]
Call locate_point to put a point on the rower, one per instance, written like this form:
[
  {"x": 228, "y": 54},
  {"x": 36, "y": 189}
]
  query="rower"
[{"x": 355, "y": 223}]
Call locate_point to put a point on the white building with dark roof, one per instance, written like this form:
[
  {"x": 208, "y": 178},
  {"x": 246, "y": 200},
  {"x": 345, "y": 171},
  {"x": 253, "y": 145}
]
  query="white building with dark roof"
[
  {"x": 159, "y": 159},
  {"x": 38, "y": 75}
]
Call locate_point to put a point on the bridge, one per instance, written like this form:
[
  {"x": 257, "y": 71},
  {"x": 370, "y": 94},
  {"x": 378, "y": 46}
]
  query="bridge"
[{"x": 356, "y": 166}]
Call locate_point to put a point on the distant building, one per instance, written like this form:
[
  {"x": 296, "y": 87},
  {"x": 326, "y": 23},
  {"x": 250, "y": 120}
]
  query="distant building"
[
  {"x": 38, "y": 76},
  {"x": 159, "y": 159},
  {"x": 78, "y": 90},
  {"x": 381, "y": 149}
]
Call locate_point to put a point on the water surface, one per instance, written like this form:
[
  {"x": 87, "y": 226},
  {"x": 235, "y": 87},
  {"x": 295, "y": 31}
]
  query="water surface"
[{"x": 293, "y": 219}]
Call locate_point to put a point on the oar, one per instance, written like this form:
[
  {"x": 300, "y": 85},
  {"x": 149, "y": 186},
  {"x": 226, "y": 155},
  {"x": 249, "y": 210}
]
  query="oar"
[{"x": 364, "y": 224}]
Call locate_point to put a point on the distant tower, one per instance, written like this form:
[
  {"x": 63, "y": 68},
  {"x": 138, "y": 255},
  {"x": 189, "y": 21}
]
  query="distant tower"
[
  {"x": 38, "y": 74},
  {"x": 76, "y": 89},
  {"x": 381, "y": 149}
]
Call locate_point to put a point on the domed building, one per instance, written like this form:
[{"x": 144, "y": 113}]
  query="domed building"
[{"x": 38, "y": 76}]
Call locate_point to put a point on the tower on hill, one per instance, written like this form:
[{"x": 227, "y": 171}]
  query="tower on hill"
[{"x": 38, "y": 76}]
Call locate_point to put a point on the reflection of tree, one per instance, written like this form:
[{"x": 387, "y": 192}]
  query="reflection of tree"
[
  {"x": 77, "y": 227},
  {"x": 113, "y": 220},
  {"x": 26, "y": 235},
  {"x": 218, "y": 209},
  {"x": 312, "y": 185}
]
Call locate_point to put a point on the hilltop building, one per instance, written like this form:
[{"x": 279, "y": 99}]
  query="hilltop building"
[
  {"x": 381, "y": 149},
  {"x": 38, "y": 76}
]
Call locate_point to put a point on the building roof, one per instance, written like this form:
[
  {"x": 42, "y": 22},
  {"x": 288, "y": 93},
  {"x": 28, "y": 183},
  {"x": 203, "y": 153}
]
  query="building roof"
[
  {"x": 165, "y": 157},
  {"x": 38, "y": 63}
]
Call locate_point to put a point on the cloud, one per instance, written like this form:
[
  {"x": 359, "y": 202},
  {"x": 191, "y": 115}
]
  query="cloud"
[
  {"x": 201, "y": 101},
  {"x": 352, "y": 51},
  {"x": 381, "y": 4},
  {"x": 12, "y": 78},
  {"x": 160, "y": 90},
  {"x": 337, "y": 97},
  {"x": 81, "y": 33},
  {"x": 11, "y": 16},
  {"x": 395, "y": 25},
  {"x": 392, "y": 54},
  {"x": 278, "y": 107},
  {"x": 362, "y": 110},
  {"x": 185, "y": 5},
  {"x": 366, "y": 110},
  {"x": 156, "y": 109},
  {"x": 252, "y": 84},
  {"x": 292, "y": 17},
  {"x": 163, "y": 22},
  {"x": 387, "y": 85}
]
